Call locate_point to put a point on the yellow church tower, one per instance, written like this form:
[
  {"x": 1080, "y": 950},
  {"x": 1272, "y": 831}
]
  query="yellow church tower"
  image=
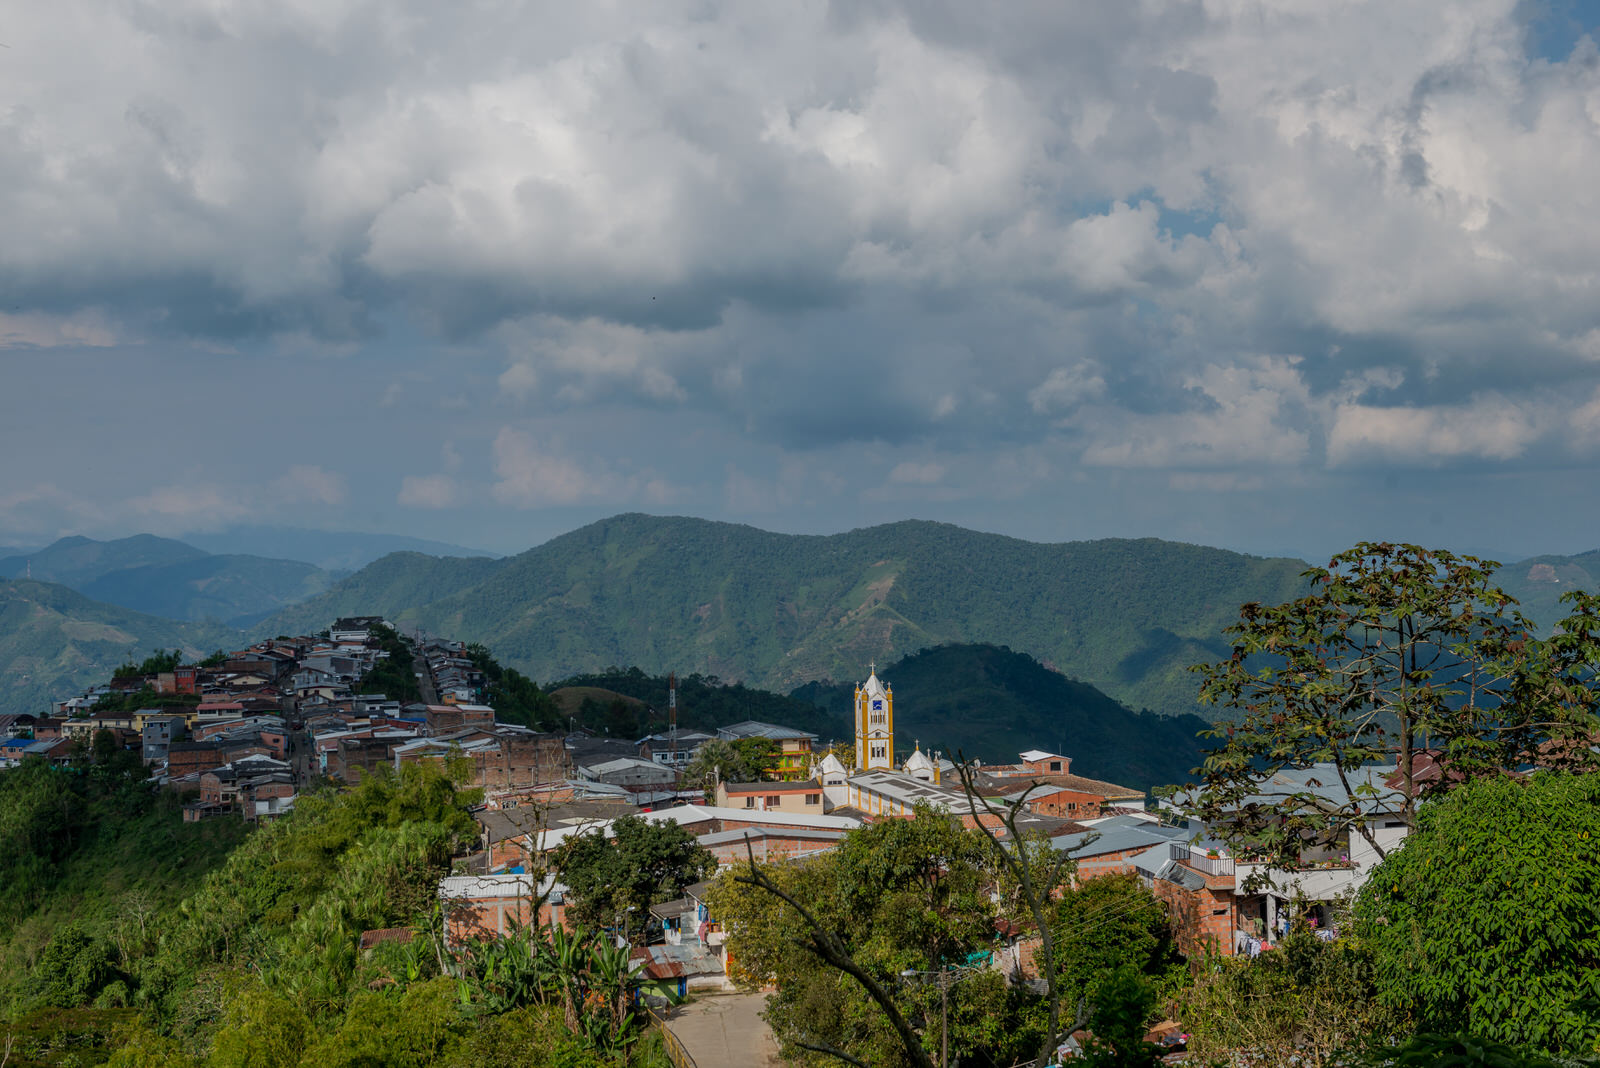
[{"x": 874, "y": 725}]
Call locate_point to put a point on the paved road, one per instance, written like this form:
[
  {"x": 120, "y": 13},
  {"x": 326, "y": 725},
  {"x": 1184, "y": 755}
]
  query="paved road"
[{"x": 726, "y": 1031}]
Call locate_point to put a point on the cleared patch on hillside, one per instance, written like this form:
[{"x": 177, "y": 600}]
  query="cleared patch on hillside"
[{"x": 571, "y": 698}]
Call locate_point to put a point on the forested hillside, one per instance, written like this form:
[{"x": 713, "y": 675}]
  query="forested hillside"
[
  {"x": 55, "y": 642},
  {"x": 396, "y": 586},
  {"x": 1538, "y": 583},
  {"x": 202, "y": 943},
  {"x": 778, "y": 610},
  {"x": 988, "y": 702},
  {"x": 703, "y": 704}
]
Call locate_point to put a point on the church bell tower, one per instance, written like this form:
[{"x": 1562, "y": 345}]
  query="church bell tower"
[{"x": 874, "y": 725}]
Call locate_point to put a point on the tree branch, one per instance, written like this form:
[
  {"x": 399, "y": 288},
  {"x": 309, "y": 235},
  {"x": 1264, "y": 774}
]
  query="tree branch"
[
  {"x": 823, "y": 1047},
  {"x": 826, "y": 945}
]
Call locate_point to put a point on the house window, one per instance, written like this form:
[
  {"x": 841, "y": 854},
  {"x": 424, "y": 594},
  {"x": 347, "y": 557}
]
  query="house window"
[
  {"x": 813, "y": 799},
  {"x": 750, "y": 802},
  {"x": 773, "y": 800},
  {"x": 1055, "y": 765}
]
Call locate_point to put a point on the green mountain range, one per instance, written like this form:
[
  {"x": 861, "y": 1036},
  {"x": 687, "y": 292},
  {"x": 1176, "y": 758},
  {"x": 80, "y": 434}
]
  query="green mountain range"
[
  {"x": 77, "y": 561},
  {"x": 55, "y": 642},
  {"x": 1538, "y": 583},
  {"x": 331, "y": 550},
  {"x": 780, "y": 610},
  {"x": 159, "y": 576}
]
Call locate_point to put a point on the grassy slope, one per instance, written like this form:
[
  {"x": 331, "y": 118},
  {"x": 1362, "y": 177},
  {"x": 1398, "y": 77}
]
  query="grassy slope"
[
  {"x": 779, "y": 610},
  {"x": 54, "y": 642},
  {"x": 991, "y": 703}
]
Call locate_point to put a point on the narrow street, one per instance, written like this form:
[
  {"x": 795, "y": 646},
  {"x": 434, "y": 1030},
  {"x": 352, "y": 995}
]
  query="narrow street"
[{"x": 726, "y": 1031}]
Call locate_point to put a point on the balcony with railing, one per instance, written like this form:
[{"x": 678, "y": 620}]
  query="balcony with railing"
[{"x": 1210, "y": 862}]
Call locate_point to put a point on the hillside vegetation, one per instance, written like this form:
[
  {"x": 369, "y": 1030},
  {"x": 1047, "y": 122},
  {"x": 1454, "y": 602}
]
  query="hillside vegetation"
[
  {"x": 54, "y": 642},
  {"x": 1538, "y": 583},
  {"x": 633, "y": 703},
  {"x": 988, "y": 702},
  {"x": 220, "y": 948},
  {"x": 779, "y": 610},
  {"x": 397, "y": 586}
]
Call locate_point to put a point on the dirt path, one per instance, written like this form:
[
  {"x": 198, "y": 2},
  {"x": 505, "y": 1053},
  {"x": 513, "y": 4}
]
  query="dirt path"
[{"x": 726, "y": 1031}]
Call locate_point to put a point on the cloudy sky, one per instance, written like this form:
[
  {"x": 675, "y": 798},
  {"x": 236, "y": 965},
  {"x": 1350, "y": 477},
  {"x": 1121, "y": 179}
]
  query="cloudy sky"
[{"x": 1269, "y": 275}]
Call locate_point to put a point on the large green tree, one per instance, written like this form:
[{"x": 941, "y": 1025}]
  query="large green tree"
[
  {"x": 1107, "y": 923},
  {"x": 1487, "y": 922},
  {"x": 1396, "y": 650},
  {"x": 614, "y": 877},
  {"x": 891, "y": 922},
  {"x": 720, "y": 760}
]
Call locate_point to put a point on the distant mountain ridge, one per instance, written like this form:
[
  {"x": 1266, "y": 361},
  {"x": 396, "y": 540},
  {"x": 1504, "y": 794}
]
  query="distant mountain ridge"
[
  {"x": 76, "y": 561},
  {"x": 55, "y": 642},
  {"x": 160, "y": 576},
  {"x": 777, "y": 610},
  {"x": 331, "y": 550}
]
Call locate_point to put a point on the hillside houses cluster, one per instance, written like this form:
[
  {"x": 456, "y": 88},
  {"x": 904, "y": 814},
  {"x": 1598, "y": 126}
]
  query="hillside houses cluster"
[
  {"x": 244, "y": 733},
  {"x": 1215, "y": 903}
]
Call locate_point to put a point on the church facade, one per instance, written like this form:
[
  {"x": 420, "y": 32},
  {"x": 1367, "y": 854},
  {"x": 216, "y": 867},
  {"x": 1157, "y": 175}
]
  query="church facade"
[{"x": 874, "y": 725}]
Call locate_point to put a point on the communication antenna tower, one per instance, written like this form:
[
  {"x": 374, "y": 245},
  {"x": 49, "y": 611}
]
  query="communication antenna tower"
[{"x": 672, "y": 715}]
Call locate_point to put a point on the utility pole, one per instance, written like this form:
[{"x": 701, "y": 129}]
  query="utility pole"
[
  {"x": 947, "y": 976},
  {"x": 944, "y": 1019}
]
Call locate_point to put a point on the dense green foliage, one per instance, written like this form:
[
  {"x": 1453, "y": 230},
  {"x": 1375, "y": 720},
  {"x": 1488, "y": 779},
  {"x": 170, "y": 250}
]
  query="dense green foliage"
[
  {"x": 706, "y": 703},
  {"x": 260, "y": 962},
  {"x": 1108, "y": 923},
  {"x": 55, "y": 642},
  {"x": 394, "y": 675},
  {"x": 514, "y": 697},
  {"x": 1303, "y": 1003},
  {"x": 902, "y": 896},
  {"x": 777, "y": 610},
  {"x": 156, "y": 663},
  {"x": 145, "y": 697},
  {"x": 1396, "y": 649},
  {"x": 1429, "y": 1050},
  {"x": 1487, "y": 922},
  {"x": 96, "y": 845},
  {"x": 614, "y": 878},
  {"x": 740, "y": 760},
  {"x": 583, "y": 971},
  {"x": 989, "y": 703}
]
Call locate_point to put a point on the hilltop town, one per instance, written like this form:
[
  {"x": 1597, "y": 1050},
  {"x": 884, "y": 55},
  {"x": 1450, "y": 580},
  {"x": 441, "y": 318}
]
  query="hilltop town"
[{"x": 244, "y": 734}]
